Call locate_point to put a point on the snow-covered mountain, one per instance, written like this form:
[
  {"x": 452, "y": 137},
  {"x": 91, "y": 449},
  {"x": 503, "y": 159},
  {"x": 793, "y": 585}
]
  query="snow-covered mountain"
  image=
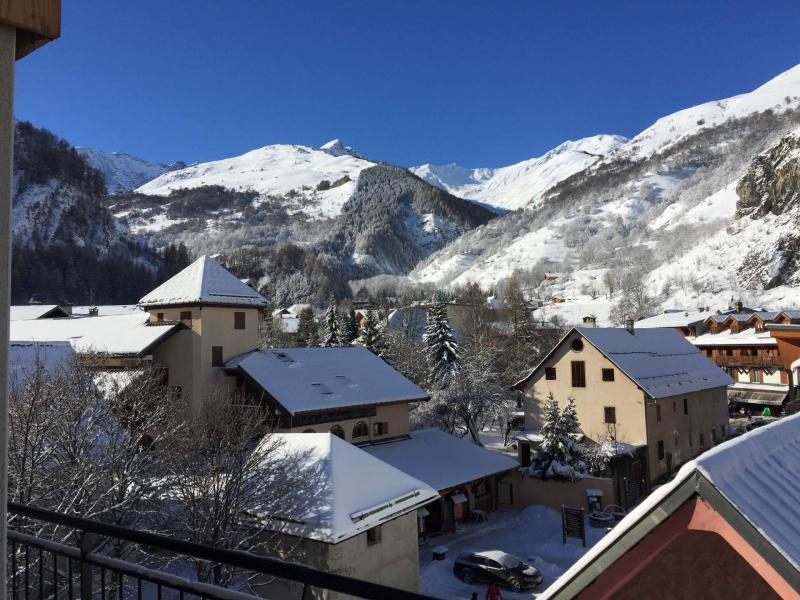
[
  {"x": 324, "y": 178},
  {"x": 521, "y": 185},
  {"x": 123, "y": 172},
  {"x": 663, "y": 204}
]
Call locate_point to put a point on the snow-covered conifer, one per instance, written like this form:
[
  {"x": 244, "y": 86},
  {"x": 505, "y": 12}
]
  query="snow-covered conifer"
[
  {"x": 330, "y": 334},
  {"x": 440, "y": 345}
]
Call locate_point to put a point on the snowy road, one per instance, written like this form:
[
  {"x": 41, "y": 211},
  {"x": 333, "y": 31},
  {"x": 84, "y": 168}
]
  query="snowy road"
[{"x": 533, "y": 535}]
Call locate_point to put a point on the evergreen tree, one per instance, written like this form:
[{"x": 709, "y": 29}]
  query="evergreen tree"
[
  {"x": 441, "y": 347},
  {"x": 372, "y": 335},
  {"x": 560, "y": 456},
  {"x": 330, "y": 335},
  {"x": 307, "y": 330},
  {"x": 349, "y": 327}
]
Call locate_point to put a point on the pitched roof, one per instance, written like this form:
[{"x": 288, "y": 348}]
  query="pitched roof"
[
  {"x": 674, "y": 318},
  {"x": 745, "y": 337},
  {"x": 441, "y": 460},
  {"x": 21, "y": 312},
  {"x": 659, "y": 360},
  {"x": 315, "y": 379},
  {"x": 756, "y": 476},
  {"x": 118, "y": 335},
  {"x": 352, "y": 491},
  {"x": 204, "y": 281}
]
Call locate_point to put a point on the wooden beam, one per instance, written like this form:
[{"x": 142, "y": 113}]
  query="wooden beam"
[{"x": 37, "y": 22}]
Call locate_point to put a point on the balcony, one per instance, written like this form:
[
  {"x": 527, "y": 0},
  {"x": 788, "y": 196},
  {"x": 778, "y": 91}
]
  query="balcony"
[
  {"x": 41, "y": 568},
  {"x": 748, "y": 361}
]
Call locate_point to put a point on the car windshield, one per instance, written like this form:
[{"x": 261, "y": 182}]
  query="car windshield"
[{"x": 509, "y": 561}]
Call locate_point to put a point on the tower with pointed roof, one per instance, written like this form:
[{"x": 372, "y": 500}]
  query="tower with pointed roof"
[{"x": 220, "y": 317}]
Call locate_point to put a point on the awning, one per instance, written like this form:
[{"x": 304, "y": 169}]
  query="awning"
[
  {"x": 458, "y": 498},
  {"x": 765, "y": 397}
]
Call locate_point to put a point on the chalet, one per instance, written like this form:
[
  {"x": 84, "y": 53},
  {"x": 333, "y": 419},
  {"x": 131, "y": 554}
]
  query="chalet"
[
  {"x": 722, "y": 528},
  {"x": 649, "y": 388}
]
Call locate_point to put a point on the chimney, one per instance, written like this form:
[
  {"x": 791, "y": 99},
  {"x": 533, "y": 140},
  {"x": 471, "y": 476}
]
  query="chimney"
[
  {"x": 739, "y": 306},
  {"x": 629, "y": 326},
  {"x": 94, "y": 311}
]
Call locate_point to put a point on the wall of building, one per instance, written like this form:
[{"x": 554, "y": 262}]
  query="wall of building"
[
  {"x": 209, "y": 326},
  {"x": 707, "y": 415},
  {"x": 396, "y": 415},
  {"x": 590, "y": 401},
  {"x": 393, "y": 561},
  {"x": 532, "y": 490}
]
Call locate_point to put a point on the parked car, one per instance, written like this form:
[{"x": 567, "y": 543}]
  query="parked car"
[{"x": 496, "y": 566}]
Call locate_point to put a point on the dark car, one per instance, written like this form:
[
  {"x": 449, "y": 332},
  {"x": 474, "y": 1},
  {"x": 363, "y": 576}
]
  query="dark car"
[{"x": 495, "y": 566}]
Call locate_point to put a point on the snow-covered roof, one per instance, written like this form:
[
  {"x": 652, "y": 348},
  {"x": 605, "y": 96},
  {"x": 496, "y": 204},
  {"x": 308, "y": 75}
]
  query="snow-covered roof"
[
  {"x": 317, "y": 379},
  {"x": 757, "y": 473},
  {"x": 440, "y": 459},
  {"x": 118, "y": 334},
  {"x": 106, "y": 310},
  {"x": 674, "y": 318},
  {"x": 352, "y": 491},
  {"x": 21, "y": 312},
  {"x": 660, "y": 361},
  {"x": 746, "y": 337},
  {"x": 204, "y": 281},
  {"x": 26, "y": 356}
]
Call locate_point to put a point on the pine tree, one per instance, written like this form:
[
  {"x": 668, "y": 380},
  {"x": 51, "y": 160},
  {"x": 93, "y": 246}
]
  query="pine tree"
[
  {"x": 330, "y": 335},
  {"x": 440, "y": 346},
  {"x": 349, "y": 327},
  {"x": 372, "y": 335},
  {"x": 560, "y": 455},
  {"x": 307, "y": 330}
]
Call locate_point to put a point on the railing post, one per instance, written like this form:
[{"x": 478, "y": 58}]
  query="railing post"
[{"x": 86, "y": 567}]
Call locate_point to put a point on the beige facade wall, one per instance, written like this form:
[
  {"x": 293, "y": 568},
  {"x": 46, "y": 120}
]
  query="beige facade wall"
[
  {"x": 393, "y": 561},
  {"x": 532, "y": 490},
  {"x": 396, "y": 415},
  {"x": 210, "y": 326},
  {"x": 680, "y": 432},
  {"x": 590, "y": 401}
]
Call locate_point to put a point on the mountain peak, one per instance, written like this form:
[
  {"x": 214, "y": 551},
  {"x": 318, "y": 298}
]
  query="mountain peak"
[{"x": 337, "y": 148}]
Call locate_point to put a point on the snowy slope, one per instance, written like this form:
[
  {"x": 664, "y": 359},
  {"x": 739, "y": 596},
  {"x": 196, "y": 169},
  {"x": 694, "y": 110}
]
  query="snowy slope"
[
  {"x": 523, "y": 184},
  {"x": 122, "y": 172},
  {"x": 276, "y": 170}
]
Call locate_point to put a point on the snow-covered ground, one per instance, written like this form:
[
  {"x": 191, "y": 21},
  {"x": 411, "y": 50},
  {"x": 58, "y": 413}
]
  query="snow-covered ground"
[{"x": 533, "y": 535}]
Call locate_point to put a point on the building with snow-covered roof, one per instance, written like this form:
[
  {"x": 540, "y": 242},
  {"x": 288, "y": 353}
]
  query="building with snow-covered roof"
[
  {"x": 347, "y": 391},
  {"x": 26, "y": 312},
  {"x": 650, "y": 388},
  {"x": 726, "y": 526},
  {"x": 468, "y": 477}
]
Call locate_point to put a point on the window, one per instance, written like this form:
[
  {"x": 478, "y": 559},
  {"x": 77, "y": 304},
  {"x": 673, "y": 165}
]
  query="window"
[
  {"x": 374, "y": 536},
  {"x": 360, "y": 430},
  {"x": 186, "y": 315},
  {"x": 577, "y": 344},
  {"x": 691, "y": 441},
  {"x": 713, "y": 435},
  {"x": 578, "y": 373},
  {"x": 216, "y": 356},
  {"x": 728, "y": 351},
  {"x": 380, "y": 428},
  {"x": 686, "y": 406},
  {"x": 337, "y": 431},
  {"x": 660, "y": 450},
  {"x": 550, "y": 373},
  {"x": 610, "y": 413},
  {"x": 658, "y": 413},
  {"x": 159, "y": 316},
  {"x": 702, "y": 441},
  {"x": 674, "y": 406},
  {"x": 322, "y": 388},
  {"x": 723, "y": 432},
  {"x": 238, "y": 320},
  {"x": 755, "y": 375},
  {"x": 608, "y": 374}
]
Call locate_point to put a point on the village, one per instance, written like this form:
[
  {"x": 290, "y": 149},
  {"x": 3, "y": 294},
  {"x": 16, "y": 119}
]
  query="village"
[{"x": 447, "y": 484}]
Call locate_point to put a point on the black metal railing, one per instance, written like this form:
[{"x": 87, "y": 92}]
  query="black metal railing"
[{"x": 46, "y": 569}]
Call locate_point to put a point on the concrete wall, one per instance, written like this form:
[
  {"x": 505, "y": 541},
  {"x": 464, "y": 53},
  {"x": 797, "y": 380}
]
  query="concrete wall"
[
  {"x": 396, "y": 415},
  {"x": 590, "y": 401},
  {"x": 532, "y": 490}
]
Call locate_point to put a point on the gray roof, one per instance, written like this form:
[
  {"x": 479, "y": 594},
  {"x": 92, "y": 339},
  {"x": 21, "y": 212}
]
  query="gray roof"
[
  {"x": 23, "y": 312},
  {"x": 317, "y": 379},
  {"x": 660, "y": 361},
  {"x": 204, "y": 281}
]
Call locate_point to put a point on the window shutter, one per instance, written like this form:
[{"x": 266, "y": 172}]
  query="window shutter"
[{"x": 216, "y": 356}]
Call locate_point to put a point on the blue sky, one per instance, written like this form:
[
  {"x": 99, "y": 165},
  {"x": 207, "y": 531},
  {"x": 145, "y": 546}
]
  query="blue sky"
[{"x": 407, "y": 81}]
